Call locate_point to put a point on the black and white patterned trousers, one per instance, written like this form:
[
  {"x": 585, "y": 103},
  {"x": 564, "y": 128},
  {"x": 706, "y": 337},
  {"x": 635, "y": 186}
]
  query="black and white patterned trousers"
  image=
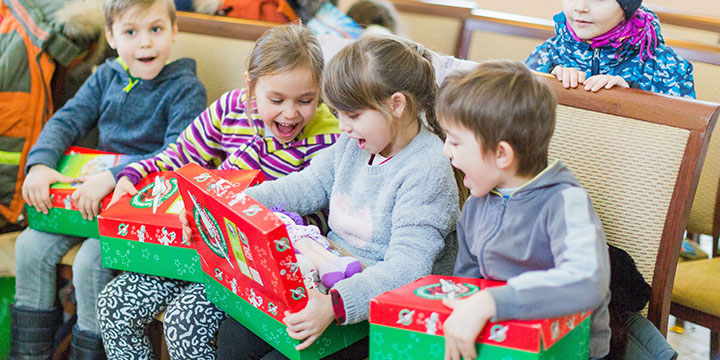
[{"x": 129, "y": 303}]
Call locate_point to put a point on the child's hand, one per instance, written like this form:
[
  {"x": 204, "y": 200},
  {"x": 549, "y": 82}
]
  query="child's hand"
[
  {"x": 186, "y": 229},
  {"x": 570, "y": 77},
  {"x": 597, "y": 82},
  {"x": 94, "y": 188},
  {"x": 36, "y": 188},
  {"x": 463, "y": 326},
  {"x": 309, "y": 323},
  {"x": 124, "y": 186}
]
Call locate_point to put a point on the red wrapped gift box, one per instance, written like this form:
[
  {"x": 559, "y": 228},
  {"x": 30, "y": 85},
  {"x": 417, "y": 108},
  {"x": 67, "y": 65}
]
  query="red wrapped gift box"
[
  {"x": 142, "y": 233},
  {"x": 407, "y": 322}
]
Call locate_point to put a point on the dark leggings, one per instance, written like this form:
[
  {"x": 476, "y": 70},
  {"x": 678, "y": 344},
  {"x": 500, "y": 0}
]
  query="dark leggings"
[{"x": 237, "y": 342}]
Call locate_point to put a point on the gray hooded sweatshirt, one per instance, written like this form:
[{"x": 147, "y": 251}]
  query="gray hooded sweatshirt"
[{"x": 547, "y": 242}]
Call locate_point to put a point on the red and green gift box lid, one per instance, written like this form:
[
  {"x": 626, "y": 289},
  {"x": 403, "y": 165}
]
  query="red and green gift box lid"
[
  {"x": 64, "y": 217},
  {"x": 142, "y": 233},
  {"x": 249, "y": 263},
  {"x": 407, "y": 322}
]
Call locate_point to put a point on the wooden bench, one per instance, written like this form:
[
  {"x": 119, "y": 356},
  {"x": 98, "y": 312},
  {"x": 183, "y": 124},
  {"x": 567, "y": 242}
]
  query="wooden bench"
[{"x": 639, "y": 156}]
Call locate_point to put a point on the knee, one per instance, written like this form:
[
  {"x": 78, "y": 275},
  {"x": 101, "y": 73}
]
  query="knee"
[
  {"x": 110, "y": 306},
  {"x": 29, "y": 249}
]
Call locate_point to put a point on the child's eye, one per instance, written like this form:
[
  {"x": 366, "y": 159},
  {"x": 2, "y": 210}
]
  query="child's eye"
[
  {"x": 275, "y": 101},
  {"x": 156, "y": 29},
  {"x": 130, "y": 32},
  {"x": 306, "y": 102}
]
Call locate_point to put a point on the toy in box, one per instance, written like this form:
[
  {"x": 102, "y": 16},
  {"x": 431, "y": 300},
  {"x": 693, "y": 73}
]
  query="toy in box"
[
  {"x": 142, "y": 233},
  {"x": 63, "y": 217},
  {"x": 249, "y": 264},
  {"x": 407, "y": 323}
]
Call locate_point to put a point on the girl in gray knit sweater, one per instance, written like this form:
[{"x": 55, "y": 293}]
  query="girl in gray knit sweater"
[{"x": 392, "y": 196}]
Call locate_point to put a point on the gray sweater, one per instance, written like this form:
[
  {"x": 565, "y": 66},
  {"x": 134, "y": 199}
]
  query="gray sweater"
[
  {"x": 547, "y": 242},
  {"x": 396, "y": 217},
  {"x": 140, "y": 120}
]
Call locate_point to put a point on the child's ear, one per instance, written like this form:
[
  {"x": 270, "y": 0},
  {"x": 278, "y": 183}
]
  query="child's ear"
[
  {"x": 504, "y": 156},
  {"x": 174, "y": 31},
  {"x": 109, "y": 37},
  {"x": 398, "y": 103}
]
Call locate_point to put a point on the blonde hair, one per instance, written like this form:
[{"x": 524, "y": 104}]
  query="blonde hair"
[
  {"x": 284, "y": 48},
  {"x": 503, "y": 101},
  {"x": 367, "y": 72},
  {"x": 116, "y": 8}
]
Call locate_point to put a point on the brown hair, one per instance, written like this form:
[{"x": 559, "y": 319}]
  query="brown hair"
[
  {"x": 284, "y": 48},
  {"x": 371, "y": 12},
  {"x": 367, "y": 72},
  {"x": 503, "y": 101},
  {"x": 116, "y": 8}
]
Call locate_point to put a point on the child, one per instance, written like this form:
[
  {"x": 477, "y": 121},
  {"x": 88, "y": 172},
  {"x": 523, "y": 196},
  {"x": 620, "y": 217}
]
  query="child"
[
  {"x": 528, "y": 223},
  {"x": 375, "y": 16},
  {"x": 392, "y": 198},
  {"x": 603, "y": 43},
  {"x": 139, "y": 104},
  {"x": 276, "y": 125}
]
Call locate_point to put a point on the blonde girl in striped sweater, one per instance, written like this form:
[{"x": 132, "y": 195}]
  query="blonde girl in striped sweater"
[{"x": 276, "y": 125}]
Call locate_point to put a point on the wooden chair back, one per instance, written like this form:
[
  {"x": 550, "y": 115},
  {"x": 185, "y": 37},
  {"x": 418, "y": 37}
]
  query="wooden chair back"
[
  {"x": 220, "y": 46},
  {"x": 639, "y": 156}
]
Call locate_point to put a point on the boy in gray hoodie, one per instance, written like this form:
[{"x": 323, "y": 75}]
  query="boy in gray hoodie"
[
  {"x": 527, "y": 222},
  {"x": 140, "y": 103}
]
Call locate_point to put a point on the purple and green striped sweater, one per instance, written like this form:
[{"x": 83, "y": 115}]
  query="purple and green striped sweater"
[{"x": 225, "y": 136}]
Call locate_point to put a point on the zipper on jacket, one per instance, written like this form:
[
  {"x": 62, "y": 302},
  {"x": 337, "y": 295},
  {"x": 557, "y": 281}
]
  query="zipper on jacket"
[
  {"x": 481, "y": 254},
  {"x": 595, "y": 62}
]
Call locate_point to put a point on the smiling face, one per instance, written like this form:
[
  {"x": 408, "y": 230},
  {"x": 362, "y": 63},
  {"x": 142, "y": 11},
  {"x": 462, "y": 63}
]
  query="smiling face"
[
  {"x": 143, "y": 37},
  {"x": 465, "y": 152},
  {"x": 591, "y": 18},
  {"x": 286, "y": 101}
]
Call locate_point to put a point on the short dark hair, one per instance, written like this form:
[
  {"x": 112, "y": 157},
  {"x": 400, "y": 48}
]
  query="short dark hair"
[
  {"x": 116, "y": 8},
  {"x": 503, "y": 101}
]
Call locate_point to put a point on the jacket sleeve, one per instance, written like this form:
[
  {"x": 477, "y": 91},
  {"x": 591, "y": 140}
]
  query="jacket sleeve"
[
  {"x": 581, "y": 276},
  {"x": 542, "y": 58},
  {"x": 201, "y": 143},
  {"x": 71, "y": 123},
  {"x": 672, "y": 74},
  {"x": 186, "y": 105}
]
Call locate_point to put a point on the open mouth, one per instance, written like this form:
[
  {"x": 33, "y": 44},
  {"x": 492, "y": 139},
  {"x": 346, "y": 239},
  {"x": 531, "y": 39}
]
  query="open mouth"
[
  {"x": 286, "y": 129},
  {"x": 146, "y": 60},
  {"x": 361, "y": 143}
]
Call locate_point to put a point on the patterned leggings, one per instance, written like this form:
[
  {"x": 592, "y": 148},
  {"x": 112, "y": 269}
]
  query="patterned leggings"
[{"x": 130, "y": 302}]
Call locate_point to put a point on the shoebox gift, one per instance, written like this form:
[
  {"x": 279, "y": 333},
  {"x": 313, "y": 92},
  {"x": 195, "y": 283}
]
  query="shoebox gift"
[
  {"x": 64, "y": 217},
  {"x": 249, "y": 264},
  {"x": 407, "y": 323},
  {"x": 142, "y": 233}
]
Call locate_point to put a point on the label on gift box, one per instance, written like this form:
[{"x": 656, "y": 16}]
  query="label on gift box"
[
  {"x": 241, "y": 243},
  {"x": 417, "y": 307},
  {"x": 142, "y": 233},
  {"x": 63, "y": 217}
]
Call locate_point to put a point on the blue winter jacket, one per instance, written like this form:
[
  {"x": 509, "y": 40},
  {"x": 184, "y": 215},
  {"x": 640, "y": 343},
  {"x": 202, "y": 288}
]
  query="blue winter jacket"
[
  {"x": 133, "y": 118},
  {"x": 666, "y": 73}
]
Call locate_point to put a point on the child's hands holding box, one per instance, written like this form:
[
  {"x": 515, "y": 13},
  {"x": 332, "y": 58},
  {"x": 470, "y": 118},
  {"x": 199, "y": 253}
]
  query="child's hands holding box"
[
  {"x": 36, "y": 188},
  {"x": 309, "y": 323},
  {"x": 91, "y": 192},
  {"x": 463, "y": 326}
]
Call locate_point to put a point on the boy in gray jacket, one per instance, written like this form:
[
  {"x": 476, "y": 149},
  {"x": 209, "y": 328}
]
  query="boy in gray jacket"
[
  {"x": 140, "y": 103},
  {"x": 528, "y": 223}
]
